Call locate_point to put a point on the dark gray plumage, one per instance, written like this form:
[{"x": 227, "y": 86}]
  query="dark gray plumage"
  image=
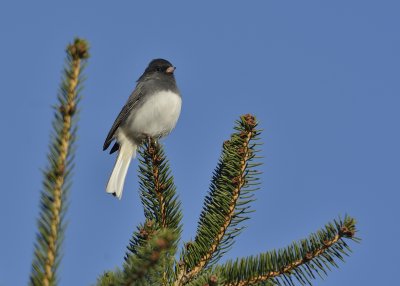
[{"x": 153, "y": 79}]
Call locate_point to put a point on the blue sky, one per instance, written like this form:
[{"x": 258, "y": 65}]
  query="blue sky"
[{"x": 322, "y": 77}]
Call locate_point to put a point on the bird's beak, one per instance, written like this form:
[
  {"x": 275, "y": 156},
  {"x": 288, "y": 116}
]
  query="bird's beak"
[{"x": 170, "y": 70}]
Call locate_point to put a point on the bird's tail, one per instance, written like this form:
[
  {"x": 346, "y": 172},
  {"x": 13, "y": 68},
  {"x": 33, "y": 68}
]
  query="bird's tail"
[{"x": 127, "y": 152}]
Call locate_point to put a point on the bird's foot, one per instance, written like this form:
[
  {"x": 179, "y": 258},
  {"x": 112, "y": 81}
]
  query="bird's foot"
[{"x": 150, "y": 140}]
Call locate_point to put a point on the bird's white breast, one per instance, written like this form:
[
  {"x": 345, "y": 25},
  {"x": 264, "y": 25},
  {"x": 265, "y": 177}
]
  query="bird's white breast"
[{"x": 157, "y": 116}]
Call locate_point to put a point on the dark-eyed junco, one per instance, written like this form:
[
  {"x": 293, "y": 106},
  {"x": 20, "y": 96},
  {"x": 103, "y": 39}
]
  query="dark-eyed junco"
[{"x": 151, "y": 111}]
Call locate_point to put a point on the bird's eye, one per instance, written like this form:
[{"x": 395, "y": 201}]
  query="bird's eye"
[{"x": 158, "y": 69}]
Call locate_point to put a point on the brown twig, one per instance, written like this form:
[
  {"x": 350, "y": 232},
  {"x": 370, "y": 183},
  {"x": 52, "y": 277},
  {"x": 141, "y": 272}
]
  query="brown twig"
[
  {"x": 158, "y": 187},
  {"x": 239, "y": 181},
  {"x": 77, "y": 51},
  {"x": 287, "y": 269}
]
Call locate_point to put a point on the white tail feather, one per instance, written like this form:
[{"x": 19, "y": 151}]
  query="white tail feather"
[{"x": 127, "y": 151}]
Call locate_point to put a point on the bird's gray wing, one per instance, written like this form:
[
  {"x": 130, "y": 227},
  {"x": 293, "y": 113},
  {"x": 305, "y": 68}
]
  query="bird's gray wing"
[{"x": 133, "y": 101}]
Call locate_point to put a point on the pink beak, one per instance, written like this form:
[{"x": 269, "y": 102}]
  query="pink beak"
[{"x": 170, "y": 70}]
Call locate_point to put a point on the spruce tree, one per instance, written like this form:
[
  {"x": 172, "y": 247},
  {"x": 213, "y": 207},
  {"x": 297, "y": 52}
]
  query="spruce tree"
[
  {"x": 155, "y": 255},
  {"x": 152, "y": 258}
]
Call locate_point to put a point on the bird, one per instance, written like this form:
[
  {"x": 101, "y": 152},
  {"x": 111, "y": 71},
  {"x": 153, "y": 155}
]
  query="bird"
[{"x": 150, "y": 113}]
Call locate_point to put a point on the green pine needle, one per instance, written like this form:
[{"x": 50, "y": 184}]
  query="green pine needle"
[
  {"x": 146, "y": 266},
  {"x": 302, "y": 261},
  {"x": 56, "y": 182},
  {"x": 226, "y": 207},
  {"x": 227, "y": 204},
  {"x": 158, "y": 195}
]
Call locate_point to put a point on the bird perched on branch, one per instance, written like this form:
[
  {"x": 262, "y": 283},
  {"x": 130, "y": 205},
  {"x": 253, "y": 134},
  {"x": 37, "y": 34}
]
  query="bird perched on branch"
[{"x": 151, "y": 112}]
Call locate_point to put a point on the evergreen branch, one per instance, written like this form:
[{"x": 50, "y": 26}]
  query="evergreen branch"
[
  {"x": 158, "y": 192},
  {"x": 110, "y": 278},
  {"x": 144, "y": 267},
  {"x": 150, "y": 256},
  {"x": 207, "y": 279},
  {"x": 158, "y": 196},
  {"x": 56, "y": 175},
  {"x": 302, "y": 260},
  {"x": 226, "y": 204},
  {"x": 141, "y": 237}
]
